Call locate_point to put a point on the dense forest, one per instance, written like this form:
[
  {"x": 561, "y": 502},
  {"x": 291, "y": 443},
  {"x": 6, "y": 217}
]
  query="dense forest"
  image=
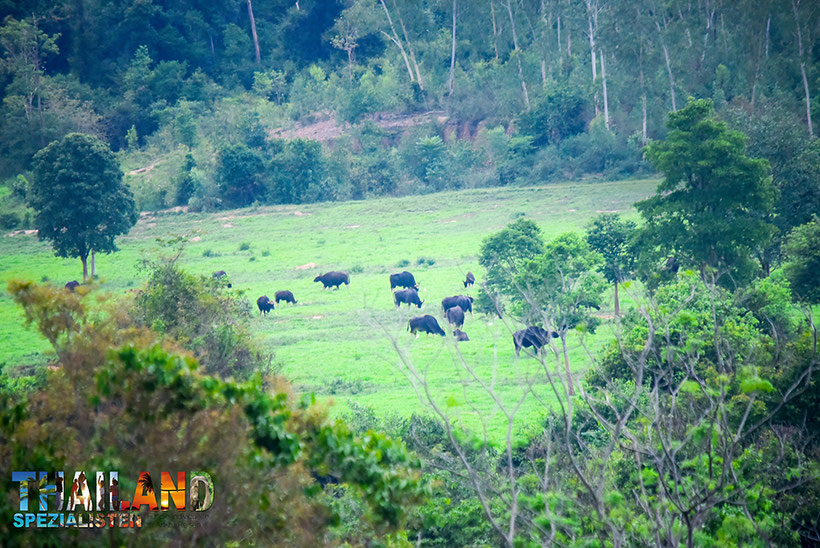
[
  {"x": 670, "y": 349},
  {"x": 514, "y": 92}
]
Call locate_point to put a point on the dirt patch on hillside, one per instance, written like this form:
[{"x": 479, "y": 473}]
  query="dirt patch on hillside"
[
  {"x": 145, "y": 169},
  {"x": 306, "y": 266},
  {"x": 327, "y": 129},
  {"x": 19, "y": 232}
]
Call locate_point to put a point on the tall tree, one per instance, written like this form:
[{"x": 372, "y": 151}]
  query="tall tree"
[
  {"x": 611, "y": 236},
  {"x": 710, "y": 209},
  {"x": 79, "y": 197}
]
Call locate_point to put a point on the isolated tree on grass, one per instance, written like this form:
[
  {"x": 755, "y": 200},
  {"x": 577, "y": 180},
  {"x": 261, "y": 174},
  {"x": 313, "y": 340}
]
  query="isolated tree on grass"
[
  {"x": 610, "y": 235},
  {"x": 709, "y": 211},
  {"x": 80, "y": 200},
  {"x": 501, "y": 255}
]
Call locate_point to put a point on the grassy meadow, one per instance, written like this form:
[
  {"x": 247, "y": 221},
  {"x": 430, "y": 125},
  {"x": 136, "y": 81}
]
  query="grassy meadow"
[{"x": 337, "y": 344}]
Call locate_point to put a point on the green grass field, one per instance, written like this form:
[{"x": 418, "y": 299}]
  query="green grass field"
[{"x": 337, "y": 343}]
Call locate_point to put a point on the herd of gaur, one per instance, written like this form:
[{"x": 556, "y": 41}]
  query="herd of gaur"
[{"x": 405, "y": 291}]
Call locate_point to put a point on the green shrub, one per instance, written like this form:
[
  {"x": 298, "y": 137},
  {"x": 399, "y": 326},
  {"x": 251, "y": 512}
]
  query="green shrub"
[{"x": 9, "y": 221}]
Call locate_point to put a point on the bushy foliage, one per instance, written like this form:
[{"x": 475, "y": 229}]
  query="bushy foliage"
[
  {"x": 299, "y": 173},
  {"x": 114, "y": 377},
  {"x": 710, "y": 208},
  {"x": 502, "y": 255},
  {"x": 803, "y": 261},
  {"x": 240, "y": 175},
  {"x": 202, "y": 314},
  {"x": 557, "y": 114}
]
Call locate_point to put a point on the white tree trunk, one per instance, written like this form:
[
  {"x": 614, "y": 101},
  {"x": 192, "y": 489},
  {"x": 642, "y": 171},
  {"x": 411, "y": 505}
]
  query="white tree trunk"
[
  {"x": 451, "y": 84},
  {"x": 518, "y": 56},
  {"x": 395, "y": 39},
  {"x": 795, "y": 6},
  {"x": 409, "y": 47},
  {"x": 253, "y": 33},
  {"x": 603, "y": 81},
  {"x": 495, "y": 29}
]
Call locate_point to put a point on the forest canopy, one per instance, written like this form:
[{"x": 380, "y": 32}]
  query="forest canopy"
[{"x": 486, "y": 93}]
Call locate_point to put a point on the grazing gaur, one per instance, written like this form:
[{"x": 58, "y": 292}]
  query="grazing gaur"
[
  {"x": 284, "y": 295},
  {"x": 426, "y": 323},
  {"x": 532, "y": 336},
  {"x": 470, "y": 280},
  {"x": 333, "y": 279},
  {"x": 409, "y": 296},
  {"x": 220, "y": 274},
  {"x": 72, "y": 285},
  {"x": 460, "y": 335},
  {"x": 455, "y": 316},
  {"x": 466, "y": 303},
  {"x": 403, "y": 279},
  {"x": 265, "y": 304}
]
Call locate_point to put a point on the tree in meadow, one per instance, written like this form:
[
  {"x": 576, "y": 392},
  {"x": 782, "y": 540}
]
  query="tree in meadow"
[
  {"x": 610, "y": 236},
  {"x": 80, "y": 201}
]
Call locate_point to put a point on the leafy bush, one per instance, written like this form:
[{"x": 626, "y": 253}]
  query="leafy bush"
[
  {"x": 559, "y": 113},
  {"x": 203, "y": 314},
  {"x": 239, "y": 175},
  {"x": 298, "y": 172},
  {"x": 9, "y": 221}
]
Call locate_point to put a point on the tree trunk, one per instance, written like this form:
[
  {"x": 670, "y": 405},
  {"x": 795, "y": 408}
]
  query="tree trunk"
[
  {"x": 603, "y": 81},
  {"x": 409, "y": 47},
  {"x": 590, "y": 16},
  {"x": 666, "y": 59},
  {"x": 518, "y": 56},
  {"x": 84, "y": 259},
  {"x": 93, "y": 264},
  {"x": 671, "y": 78},
  {"x": 570, "y": 388},
  {"x": 495, "y": 29},
  {"x": 795, "y": 6},
  {"x": 617, "y": 303},
  {"x": 451, "y": 84},
  {"x": 569, "y": 42},
  {"x": 395, "y": 39},
  {"x": 643, "y": 95},
  {"x": 253, "y": 33}
]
